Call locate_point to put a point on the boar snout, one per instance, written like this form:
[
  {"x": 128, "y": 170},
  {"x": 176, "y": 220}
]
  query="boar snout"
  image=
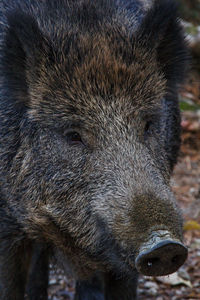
[{"x": 161, "y": 255}]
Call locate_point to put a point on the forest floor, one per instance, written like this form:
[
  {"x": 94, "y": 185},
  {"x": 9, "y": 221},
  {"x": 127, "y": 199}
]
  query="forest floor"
[{"x": 184, "y": 284}]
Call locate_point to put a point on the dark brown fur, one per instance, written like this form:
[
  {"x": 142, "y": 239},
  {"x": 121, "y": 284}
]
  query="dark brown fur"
[{"x": 110, "y": 71}]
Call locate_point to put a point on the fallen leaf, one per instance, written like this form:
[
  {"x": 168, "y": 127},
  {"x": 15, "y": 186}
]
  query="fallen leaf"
[
  {"x": 191, "y": 225},
  {"x": 174, "y": 279}
]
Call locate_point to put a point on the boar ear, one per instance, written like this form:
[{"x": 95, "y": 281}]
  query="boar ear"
[
  {"x": 161, "y": 30},
  {"x": 23, "y": 47},
  {"x": 24, "y": 30}
]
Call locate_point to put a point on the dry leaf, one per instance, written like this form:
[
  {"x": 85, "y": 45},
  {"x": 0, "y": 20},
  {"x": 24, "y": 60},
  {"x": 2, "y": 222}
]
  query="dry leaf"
[
  {"x": 174, "y": 279},
  {"x": 191, "y": 225}
]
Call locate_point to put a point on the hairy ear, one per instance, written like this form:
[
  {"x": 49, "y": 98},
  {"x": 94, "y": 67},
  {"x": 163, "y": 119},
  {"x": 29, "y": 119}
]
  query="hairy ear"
[
  {"x": 24, "y": 30},
  {"x": 161, "y": 30},
  {"x": 23, "y": 48}
]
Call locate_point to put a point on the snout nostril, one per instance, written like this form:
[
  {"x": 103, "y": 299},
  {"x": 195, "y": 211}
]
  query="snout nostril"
[
  {"x": 151, "y": 262},
  {"x": 176, "y": 259}
]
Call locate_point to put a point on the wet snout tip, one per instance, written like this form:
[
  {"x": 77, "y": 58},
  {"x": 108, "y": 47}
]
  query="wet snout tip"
[{"x": 162, "y": 259}]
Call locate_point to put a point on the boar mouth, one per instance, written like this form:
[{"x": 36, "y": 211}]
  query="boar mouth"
[{"x": 110, "y": 254}]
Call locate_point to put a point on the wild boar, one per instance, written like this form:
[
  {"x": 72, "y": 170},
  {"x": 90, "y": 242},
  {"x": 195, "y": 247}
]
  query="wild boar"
[{"x": 89, "y": 135}]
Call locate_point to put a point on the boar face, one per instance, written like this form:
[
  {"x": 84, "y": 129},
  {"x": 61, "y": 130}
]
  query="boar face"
[{"x": 100, "y": 132}]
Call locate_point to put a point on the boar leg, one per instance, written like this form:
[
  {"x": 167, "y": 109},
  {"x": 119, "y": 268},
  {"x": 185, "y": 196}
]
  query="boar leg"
[
  {"x": 38, "y": 273},
  {"x": 90, "y": 289},
  {"x": 119, "y": 288},
  {"x": 14, "y": 263}
]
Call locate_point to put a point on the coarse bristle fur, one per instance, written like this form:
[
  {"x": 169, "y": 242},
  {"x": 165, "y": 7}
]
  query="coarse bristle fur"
[{"x": 89, "y": 136}]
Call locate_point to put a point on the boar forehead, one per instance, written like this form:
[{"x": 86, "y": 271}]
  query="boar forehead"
[{"x": 94, "y": 73}]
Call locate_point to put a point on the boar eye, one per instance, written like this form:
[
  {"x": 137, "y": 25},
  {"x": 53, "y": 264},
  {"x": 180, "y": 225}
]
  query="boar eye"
[
  {"x": 147, "y": 129},
  {"x": 147, "y": 126},
  {"x": 74, "y": 138}
]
